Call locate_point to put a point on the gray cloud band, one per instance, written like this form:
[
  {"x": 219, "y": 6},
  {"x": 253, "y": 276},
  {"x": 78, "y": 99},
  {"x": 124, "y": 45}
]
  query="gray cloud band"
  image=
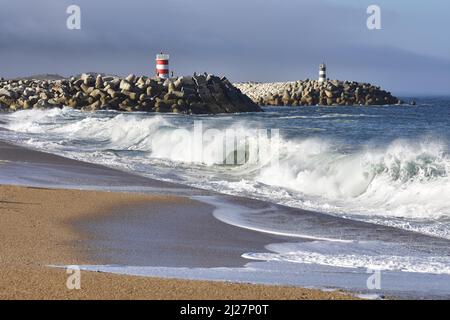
[{"x": 251, "y": 40}]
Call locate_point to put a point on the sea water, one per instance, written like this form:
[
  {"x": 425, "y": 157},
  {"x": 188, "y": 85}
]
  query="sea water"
[{"x": 387, "y": 165}]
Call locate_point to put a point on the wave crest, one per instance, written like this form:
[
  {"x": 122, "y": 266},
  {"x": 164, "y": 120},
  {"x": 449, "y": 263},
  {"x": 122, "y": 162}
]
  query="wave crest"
[{"x": 405, "y": 178}]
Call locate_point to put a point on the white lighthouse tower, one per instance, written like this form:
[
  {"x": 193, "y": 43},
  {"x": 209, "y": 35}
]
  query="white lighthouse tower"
[{"x": 322, "y": 73}]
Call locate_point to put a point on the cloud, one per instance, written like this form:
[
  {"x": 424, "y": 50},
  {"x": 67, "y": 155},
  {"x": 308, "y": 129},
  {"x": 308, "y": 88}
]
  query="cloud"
[{"x": 268, "y": 40}]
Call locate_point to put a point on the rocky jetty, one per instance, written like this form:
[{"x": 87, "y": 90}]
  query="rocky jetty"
[
  {"x": 312, "y": 92},
  {"x": 198, "y": 94}
]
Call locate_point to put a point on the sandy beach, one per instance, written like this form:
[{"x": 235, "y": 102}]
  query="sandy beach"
[{"x": 48, "y": 226}]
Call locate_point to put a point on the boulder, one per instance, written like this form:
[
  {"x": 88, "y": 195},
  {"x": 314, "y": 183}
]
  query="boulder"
[
  {"x": 125, "y": 85},
  {"x": 99, "y": 84},
  {"x": 131, "y": 78},
  {"x": 5, "y": 93},
  {"x": 88, "y": 80}
]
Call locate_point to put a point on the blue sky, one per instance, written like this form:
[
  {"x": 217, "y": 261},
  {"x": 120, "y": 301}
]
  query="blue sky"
[{"x": 246, "y": 40}]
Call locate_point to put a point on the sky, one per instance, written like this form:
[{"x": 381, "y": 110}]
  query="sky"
[{"x": 245, "y": 40}]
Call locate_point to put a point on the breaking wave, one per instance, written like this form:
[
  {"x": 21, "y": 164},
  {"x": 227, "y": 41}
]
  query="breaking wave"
[{"x": 402, "y": 179}]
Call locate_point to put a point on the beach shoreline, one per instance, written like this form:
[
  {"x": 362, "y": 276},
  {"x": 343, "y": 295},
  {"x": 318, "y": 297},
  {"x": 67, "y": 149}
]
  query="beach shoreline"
[{"x": 40, "y": 227}]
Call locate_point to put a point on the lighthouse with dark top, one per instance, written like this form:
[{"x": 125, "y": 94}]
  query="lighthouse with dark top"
[
  {"x": 322, "y": 73},
  {"x": 162, "y": 65}
]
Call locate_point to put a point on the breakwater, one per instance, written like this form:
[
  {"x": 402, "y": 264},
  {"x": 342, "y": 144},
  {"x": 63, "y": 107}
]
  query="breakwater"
[
  {"x": 197, "y": 94},
  {"x": 312, "y": 92}
]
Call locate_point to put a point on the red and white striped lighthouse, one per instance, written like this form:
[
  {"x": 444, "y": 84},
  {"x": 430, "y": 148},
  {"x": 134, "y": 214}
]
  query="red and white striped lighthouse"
[{"x": 162, "y": 65}]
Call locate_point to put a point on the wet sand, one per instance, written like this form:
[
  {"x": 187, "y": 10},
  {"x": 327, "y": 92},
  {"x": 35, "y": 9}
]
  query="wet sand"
[
  {"x": 42, "y": 226},
  {"x": 21, "y": 166}
]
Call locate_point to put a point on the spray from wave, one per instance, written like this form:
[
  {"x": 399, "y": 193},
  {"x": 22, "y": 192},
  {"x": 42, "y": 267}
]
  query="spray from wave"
[{"x": 404, "y": 179}]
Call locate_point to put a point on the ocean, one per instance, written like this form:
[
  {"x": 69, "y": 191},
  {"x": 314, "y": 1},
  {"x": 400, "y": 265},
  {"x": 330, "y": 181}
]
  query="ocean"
[{"x": 388, "y": 166}]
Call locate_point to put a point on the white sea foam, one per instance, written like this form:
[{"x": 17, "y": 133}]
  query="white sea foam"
[
  {"x": 404, "y": 179},
  {"x": 356, "y": 254}
]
